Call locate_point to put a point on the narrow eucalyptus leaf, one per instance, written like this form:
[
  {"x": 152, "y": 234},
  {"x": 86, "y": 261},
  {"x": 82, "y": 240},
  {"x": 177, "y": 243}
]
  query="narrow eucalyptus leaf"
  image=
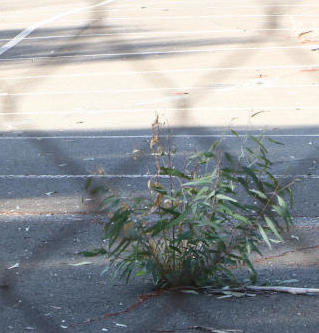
[
  {"x": 273, "y": 227},
  {"x": 173, "y": 172},
  {"x": 264, "y": 236}
]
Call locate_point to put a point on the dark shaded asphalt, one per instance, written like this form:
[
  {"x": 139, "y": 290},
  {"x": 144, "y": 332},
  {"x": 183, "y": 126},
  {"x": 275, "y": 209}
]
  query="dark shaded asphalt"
[{"x": 47, "y": 294}]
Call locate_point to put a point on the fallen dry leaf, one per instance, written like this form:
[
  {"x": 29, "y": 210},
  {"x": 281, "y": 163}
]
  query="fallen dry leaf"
[
  {"x": 81, "y": 263},
  {"x": 304, "y": 33}
]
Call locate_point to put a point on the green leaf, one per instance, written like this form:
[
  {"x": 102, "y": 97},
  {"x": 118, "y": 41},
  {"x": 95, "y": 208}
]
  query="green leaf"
[
  {"x": 93, "y": 253},
  {"x": 253, "y": 175},
  {"x": 140, "y": 273},
  {"x": 88, "y": 183},
  {"x": 98, "y": 189},
  {"x": 273, "y": 179},
  {"x": 282, "y": 211},
  {"x": 275, "y": 141},
  {"x": 258, "y": 193},
  {"x": 272, "y": 227},
  {"x": 291, "y": 199},
  {"x": 121, "y": 247},
  {"x": 258, "y": 142},
  {"x": 208, "y": 154},
  {"x": 174, "y": 248},
  {"x": 214, "y": 145},
  {"x": 109, "y": 203},
  {"x": 281, "y": 201},
  {"x": 206, "y": 180},
  {"x": 202, "y": 193},
  {"x": 229, "y": 159},
  {"x": 264, "y": 236},
  {"x": 158, "y": 189},
  {"x": 173, "y": 172},
  {"x": 234, "y": 133},
  {"x": 225, "y": 197}
]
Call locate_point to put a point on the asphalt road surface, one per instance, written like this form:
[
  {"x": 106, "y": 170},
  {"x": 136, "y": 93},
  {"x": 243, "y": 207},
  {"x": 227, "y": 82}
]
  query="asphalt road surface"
[{"x": 81, "y": 83}]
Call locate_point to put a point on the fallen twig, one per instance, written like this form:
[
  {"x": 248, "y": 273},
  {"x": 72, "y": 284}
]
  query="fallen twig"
[
  {"x": 290, "y": 290},
  {"x": 246, "y": 290},
  {"x": 262, "y": 289}
]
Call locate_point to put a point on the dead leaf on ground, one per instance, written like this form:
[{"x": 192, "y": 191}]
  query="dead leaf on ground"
[
  {"x": 81, "y": 263},
  {"x": 189, "y": 291},
  {"x": 257, "y": 113},
  {"x": 14, "y": 266},
  {"x": 304, "y": 33},
  {"x": 50, "y": 193}
]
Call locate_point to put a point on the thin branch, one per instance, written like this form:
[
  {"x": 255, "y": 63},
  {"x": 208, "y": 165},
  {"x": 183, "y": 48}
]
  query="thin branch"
[
  {"x": 259, "y": 289},
  {"x": 289, "y": 290}
]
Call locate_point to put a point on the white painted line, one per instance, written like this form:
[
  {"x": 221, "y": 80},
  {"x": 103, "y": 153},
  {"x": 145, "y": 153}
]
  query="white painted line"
[
  {"x": 26, "y": 32},
  {"x": 150, "y": 53},
  {"x": 216, "y": 86},
  {"x": 180, "y": 70},
  {"x": 156, "y": 33},
  {"x": 75, "y": 176},
  {"x": 127, "y": 176}
]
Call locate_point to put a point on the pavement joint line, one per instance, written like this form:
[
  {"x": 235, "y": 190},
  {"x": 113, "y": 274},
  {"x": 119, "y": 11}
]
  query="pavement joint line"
[
  {"x": 116, "y": 137},
  {"x": 122, "y": 34},
  {"x": 26, "y": 32},
  {"x": 217, "y": 86},
  {"x": 178, "y": 70},
  {"x": 49, "y": 214},
  {"x": 149, "y": 53}
]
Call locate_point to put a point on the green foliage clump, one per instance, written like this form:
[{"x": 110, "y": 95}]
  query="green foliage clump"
[{"x": 199, "y": 223}]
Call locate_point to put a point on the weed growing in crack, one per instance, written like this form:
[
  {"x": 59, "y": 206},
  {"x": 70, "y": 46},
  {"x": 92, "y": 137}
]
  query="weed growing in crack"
[{"x": 197, "y": 224}]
